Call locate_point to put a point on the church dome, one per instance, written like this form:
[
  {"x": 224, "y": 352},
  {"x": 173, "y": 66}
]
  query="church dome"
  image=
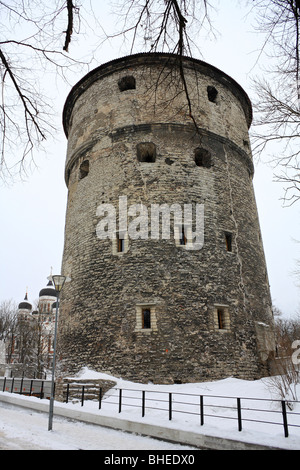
[
  {"x": 25, "y": 305},
  {"x": 48, "y": 291}
]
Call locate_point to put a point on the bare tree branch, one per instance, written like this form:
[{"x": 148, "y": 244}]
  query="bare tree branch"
[
  {"x": 277, "y": 103},
  {"x": 31, "y": 44},
  {"x": 69, "y": 30}
]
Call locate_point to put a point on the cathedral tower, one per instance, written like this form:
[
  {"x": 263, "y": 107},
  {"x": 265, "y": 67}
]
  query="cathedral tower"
[{"x": 158, "y": 293}]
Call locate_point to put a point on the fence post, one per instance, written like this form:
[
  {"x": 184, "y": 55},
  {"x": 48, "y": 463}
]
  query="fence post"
[
  {"x": 284, "y": 416},
  {"x": 21, "y": 386},
  {"x": 12, "y": 385},
  {"x": 42, "y": 390},
  {"x": 4, "y": 383},
  {"x": 170, "y": 406},
  {"x": 120, "y": 400},
  {"x": 82, "y": 395},
  {"x": 100, "y": 397},
  {"x": 31, "y": 384},
  {"x": 67, "y": 394},
  {"x": 201, "y": 411},
  {"x": 143, "y": 403},
  {"x": 239, "y": 413}
]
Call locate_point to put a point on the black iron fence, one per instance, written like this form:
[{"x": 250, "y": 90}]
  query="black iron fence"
[
  {"x": 31, "y": 387},
  {"x": 242, "y": 410}
]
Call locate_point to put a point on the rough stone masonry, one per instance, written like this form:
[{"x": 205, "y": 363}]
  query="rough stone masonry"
[{"x": 149, "y": 308}]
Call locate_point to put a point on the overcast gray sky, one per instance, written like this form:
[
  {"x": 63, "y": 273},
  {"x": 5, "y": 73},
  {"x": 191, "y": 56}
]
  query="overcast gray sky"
[{"x": 32, "y": 212}]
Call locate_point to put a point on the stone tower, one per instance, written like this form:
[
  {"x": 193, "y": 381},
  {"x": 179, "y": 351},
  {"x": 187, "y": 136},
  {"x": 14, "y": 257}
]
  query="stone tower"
[{"x": 144, "y": 306}]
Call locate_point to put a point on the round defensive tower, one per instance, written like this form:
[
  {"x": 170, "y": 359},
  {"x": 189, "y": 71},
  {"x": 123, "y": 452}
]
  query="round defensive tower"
[{"x": 148, "y": 133}]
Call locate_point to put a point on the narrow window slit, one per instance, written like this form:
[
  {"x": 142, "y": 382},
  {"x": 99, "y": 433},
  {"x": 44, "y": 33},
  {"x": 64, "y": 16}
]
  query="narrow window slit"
[
  {"x": 221, "y": 319},
  {"x": 146, "y": 318},
  {"x": 120, "y": 244},
  {"x": 182, "y": 235},
  {"x": 228, "y": 241}
]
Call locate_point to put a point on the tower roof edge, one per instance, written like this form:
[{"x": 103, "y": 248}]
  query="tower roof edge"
[{"x": 148, "y": 58}]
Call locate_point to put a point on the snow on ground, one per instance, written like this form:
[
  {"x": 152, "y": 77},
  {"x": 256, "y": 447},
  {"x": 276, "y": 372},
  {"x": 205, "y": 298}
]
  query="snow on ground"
[
  {"x": 23, "y": 429},
  {"x": 219, "y": 407}
]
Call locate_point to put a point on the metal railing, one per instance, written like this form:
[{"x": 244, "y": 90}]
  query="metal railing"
[
  {"x": 31, "y": 387},
  {"x": 204, "y": 407},
  {"x": 240, "y": 409}
]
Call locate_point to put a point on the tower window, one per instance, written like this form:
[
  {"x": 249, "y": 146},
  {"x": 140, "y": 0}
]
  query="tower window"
[
  {"x": 146, "y": 152},
  {"x": 228, "y": 241},
  {"x": 221, "y": 318},
  {"x": 84, "y": 169},
  {"x": 182, "y": 236},
  {"x": 120, "y": 243},
  {"x": 203, "y": 157},
  {"x": 146, "y": 318},
  {"x": 126, "y": 83},
  {"x": 212, "y": 94}
]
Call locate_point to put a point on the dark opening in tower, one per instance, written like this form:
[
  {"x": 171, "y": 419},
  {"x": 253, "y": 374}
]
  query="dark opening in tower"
[
  {"x": 146, "y": 152},
  {"x": 203, "y": 157}
]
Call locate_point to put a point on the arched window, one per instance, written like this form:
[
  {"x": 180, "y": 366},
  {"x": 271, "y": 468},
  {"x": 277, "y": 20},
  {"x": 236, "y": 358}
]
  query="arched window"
[
  {"x": 146, "y": 152},
  {"x": 203, "y": 157},
  {"x": 126, "y": 83},
  {"x": 84, "y": 169},
  {"x": 212, "y": 94}
]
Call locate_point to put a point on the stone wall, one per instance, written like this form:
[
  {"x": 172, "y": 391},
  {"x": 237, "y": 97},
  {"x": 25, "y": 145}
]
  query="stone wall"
[
  {"x": 91, "y": 388},
  {"x": 203, "y": 304}
]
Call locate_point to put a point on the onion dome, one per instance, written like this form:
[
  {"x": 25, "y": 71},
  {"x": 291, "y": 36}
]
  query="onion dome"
[
  {"x": 25, "y": 305},
  {"x": 48, "y": 290}
]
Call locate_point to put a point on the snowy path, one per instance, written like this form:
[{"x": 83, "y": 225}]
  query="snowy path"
[{"x": 24, "y": 429}]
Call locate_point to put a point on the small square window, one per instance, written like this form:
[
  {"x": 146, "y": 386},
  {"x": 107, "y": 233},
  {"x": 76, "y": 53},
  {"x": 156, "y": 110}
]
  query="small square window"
[
  {"x": 202, "y": 158},
  {"x": 126, "y": 83},
  {"x": 146, "y": 152}
]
